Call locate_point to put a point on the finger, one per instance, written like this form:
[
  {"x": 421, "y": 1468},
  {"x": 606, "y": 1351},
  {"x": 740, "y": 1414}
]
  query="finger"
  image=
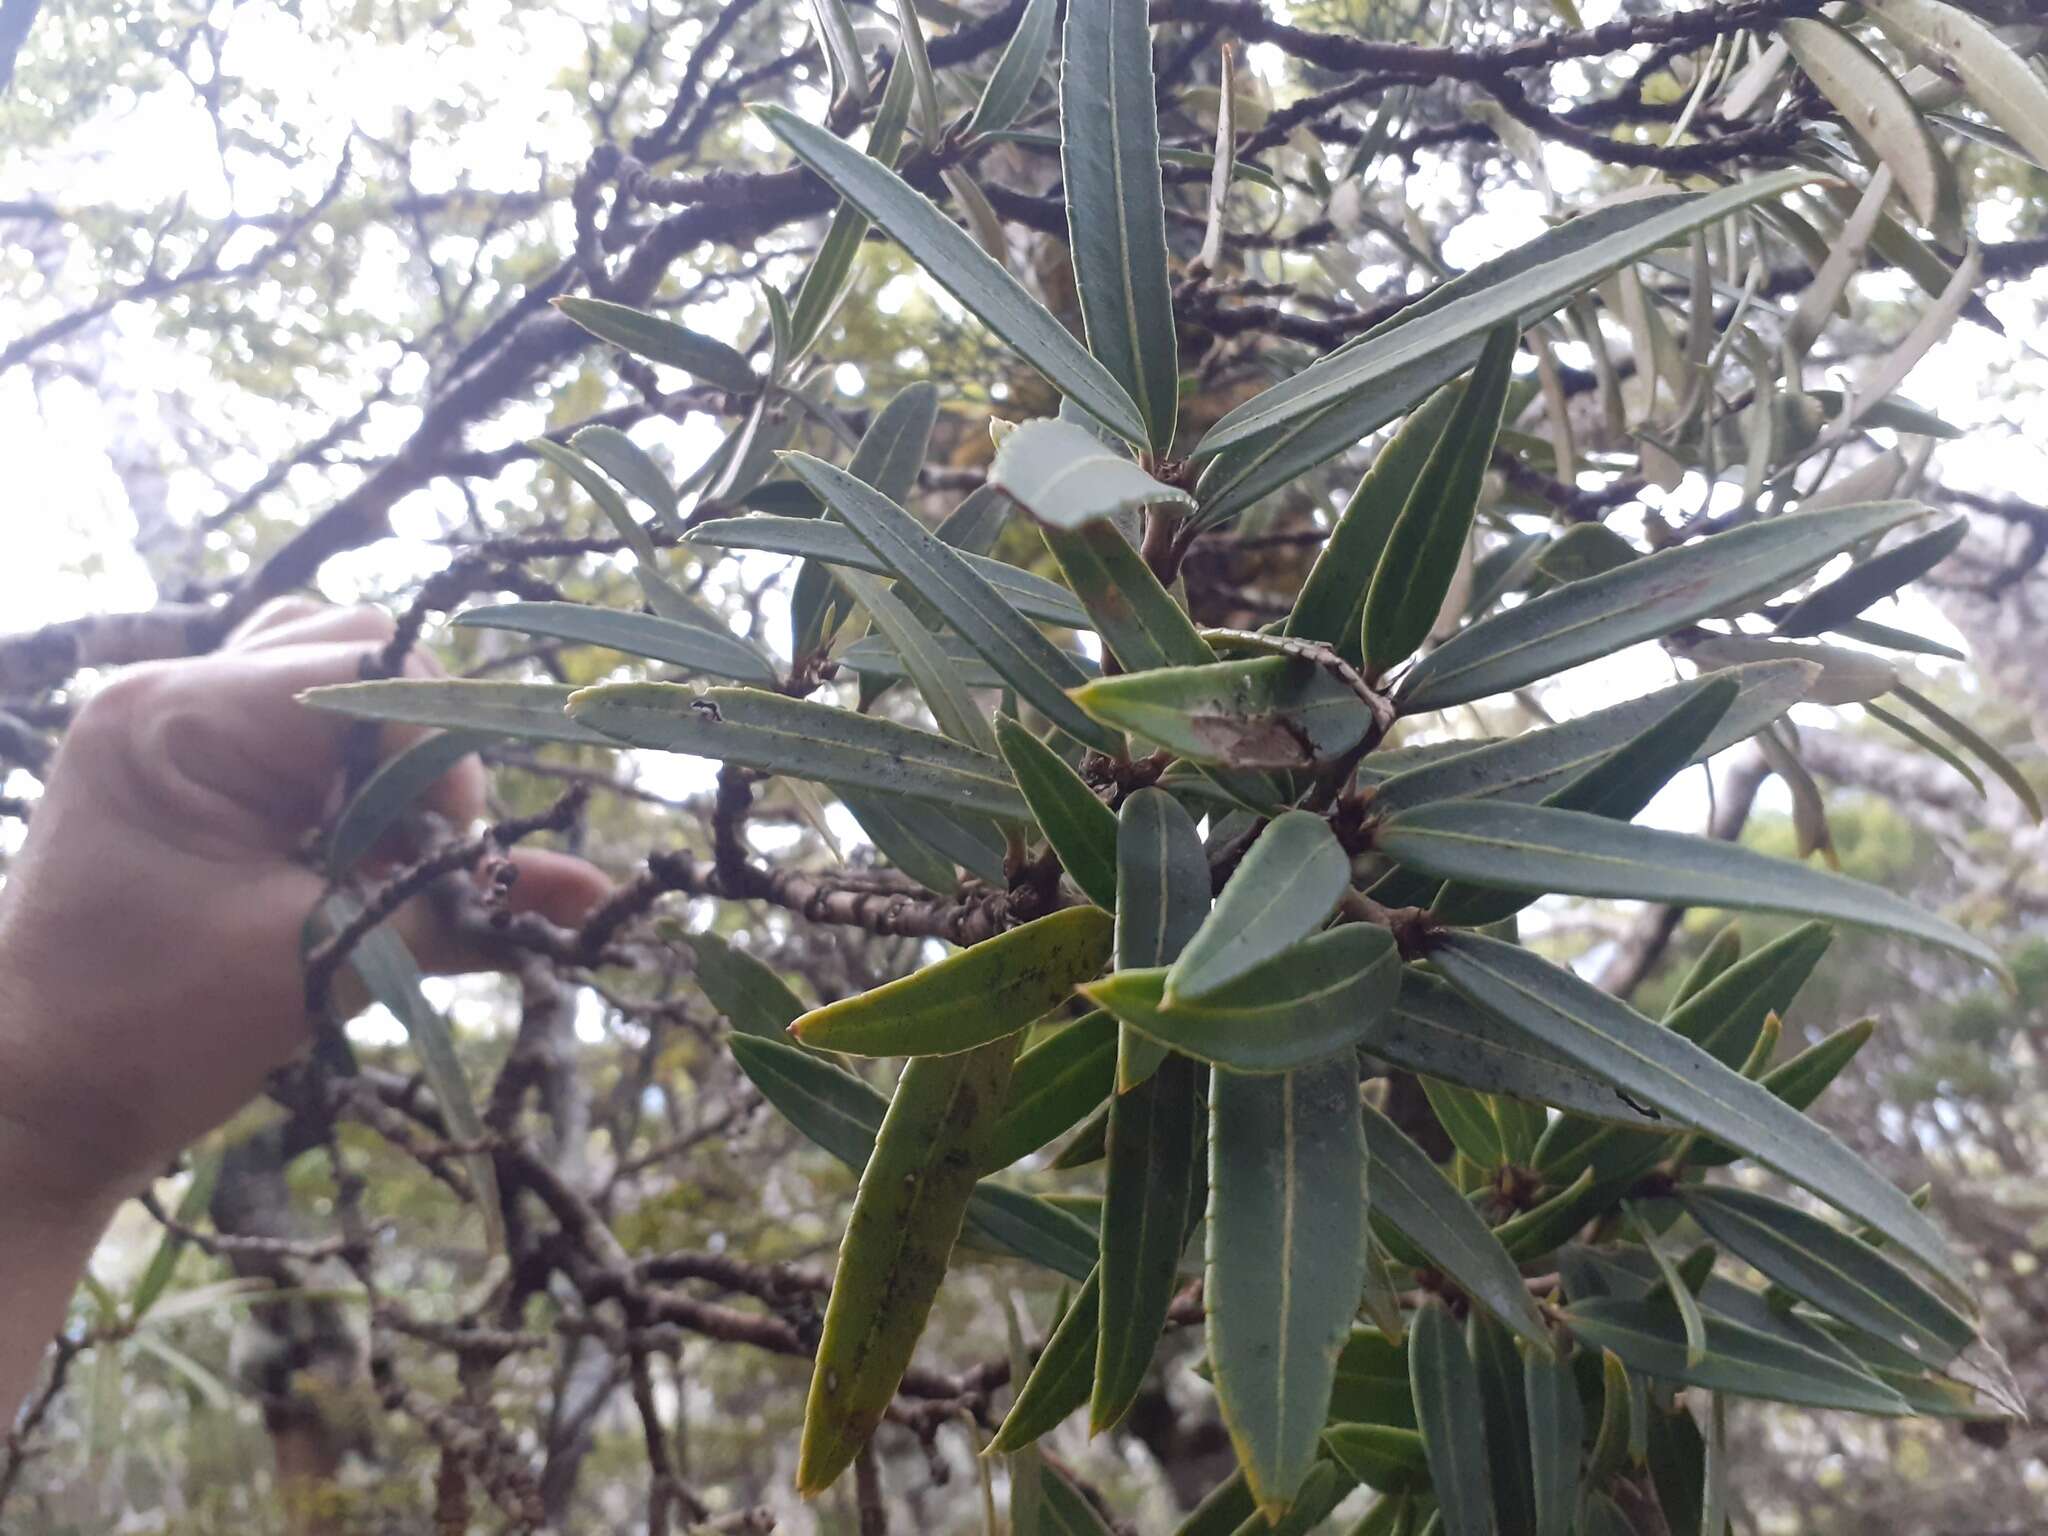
[
  {"x": 557, "y": 886},
  {"x": 321, "y": 623},
  {"x": 277, "y": 611}
]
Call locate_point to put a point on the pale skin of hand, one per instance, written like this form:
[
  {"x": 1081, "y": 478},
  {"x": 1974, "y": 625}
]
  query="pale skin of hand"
[{"x": 150, "y": 973}]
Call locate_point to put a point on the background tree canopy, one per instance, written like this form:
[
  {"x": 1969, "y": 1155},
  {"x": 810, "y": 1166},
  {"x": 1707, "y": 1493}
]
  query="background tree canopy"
[{"x": 1124, "y": 594}]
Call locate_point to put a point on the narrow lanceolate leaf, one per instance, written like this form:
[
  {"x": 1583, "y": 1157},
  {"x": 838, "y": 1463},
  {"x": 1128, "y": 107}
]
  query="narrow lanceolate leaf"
[
  {"x": 1162, "y": 895},
  {"x": 1538, "y": 849},
  {"x": 773, "y": 734},
  {"x": 892, "y": 450},
  {"x": 647, "y": 635},
  {"x": 881, "y": 818},
  {"x": 1116, "y": 215},
  {"x": 1427, "y": 541},
  {"x": 1978, "y": 746},
  {"x": 389, "y": 974},
  {"x": 1660, "y": 1068},
  {"x": 1059, "y": 1382},
  {"x": 393, "y": 790},
  {"x": 1382, "y": 1456},
  {"x": 1016, "y": 73},
  {"x": 1618, "y": 787},
  {"x": 1286, "y": 1261},
  {"x": 628, "y": 463},
  {"x": 925, "y": 662},
  {"x": 1412, "y": 1194},
  {"x": 1450, "y": 1412},
  {"x": 1055, "y": 1085},
  {"x": 1876, "y": 108},
  {"x": 663, "y": 598},
  {"x": 1844, "y": 1277},
  {"x": 1080, "y": 828},
  {"x": 1264, "y": 712},
  {"x": 824, "y": 283},
  {"x": 835, "y": 544},
  {"x": 1535, "y": 764},
  {"x": 754, "y": 1000},
  {"x": 1039, "y": 670},
  {"x": 2000, "y": 81},
  {"x": 1872, "y": 580},
  {"x": 1556, "y": 1424},
  {"x": 1433, "y": 1031},
  {"x": 1065, "y": 475},
  {"x": 1635, "y": 229},
  {"x": 663, "y": 341},
  {"x": 1643, "y": 600},
  {"x": 1305, "y": 1004},
  {"x": 963, "y": 269},
  {"x": 982, "y": 993},
  {"x": 1155, "y": 1135},
  {"x": 1283, "y": 890},
  {"x": 1649, "y": 1337},
  {"x": 528, "y": 711},
  {"x": 842, "y": 48},
  {"x": 913, "y": 1195},
  {"x": 1333, "y": 597},
  {"x": 1139, "y": 621}
]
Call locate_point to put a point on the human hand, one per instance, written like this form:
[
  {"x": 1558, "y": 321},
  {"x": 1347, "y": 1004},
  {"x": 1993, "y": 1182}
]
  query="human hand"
[{"x": 150, "y": 971}]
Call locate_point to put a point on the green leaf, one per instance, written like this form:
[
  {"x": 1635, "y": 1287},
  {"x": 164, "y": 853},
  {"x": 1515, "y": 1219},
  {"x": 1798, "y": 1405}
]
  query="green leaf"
[
  {"x": 1302, "y": 1006},
  {"x": 1725, "y": 1016},
  {"x": 1285, "y": 888},
  {"x": 1056, "y": 1083},
  {"x": 1722, "y": 951},
  {"x": 635, "y": 634},
  {"x": 392, "y": 790},
  {"x": 662, "y": 597},
  {"x": 1433, "y": 1031},
  {"x": 1017, "y": 70},
  {"x": 629, "y": 464},
  {"x": 1066, "y": 1510},
  {"x": 1162, "y": 895},
  {"x": 878, "y": 664},
  {"x": 1877, "y": 110},
  {"x": 972, "y": 997},
  {"x": 1872, "y": 580},
  {"x": 1450, "y": 1414},
  {"x": 883, "y": 818},
  {"x": 1588, "y": 549},
  {"x": 529, "y": 711},
  {"x": 1674, "y": 1288},
  {"x": 1542, "y": 282},
  {"x": 1660, "y": 1068},
  {"x": 892, "y": 450},
  {"x": 1032, "y": 664},
  {"x": 1155, "y": 1137},
  {"x": 1116, "y": 216},
  {"x": 773, "y": 734},
  {"x": 1263, "y": 712},
  {"x": 1427, "y": 541},
  {"x": 828, "y": 1104},
  {"x": 1080, "y": 828},
  {"x": 824, "y": 283},
  {"x": 663, "y": 341},
  {"x": 1498, "y": 1359},
  {"x": 1331, "y": 602},
  {"x": 389, "y": 974},
  {"x": 1468, "y": 1120},
  {"x": 835, "y": 544},
  {"x": 163, "y": 1262},
  {"x": 1382, "y": 1456},
  {"x": 1009, "y": 1221},
  {"x": 754, "y": 1000},
  {"x": 906, "y": 1215},
  {"x": 1139, "y": 621},
  {"x": 1999, "y": 80},
  {"x": 1059, "y": 1382},
  {"x": 1643, "y": 600},
  {"x": 1535, "y": 764},
  {"x": 1648, "y": 1336},
  {"x": 1412, "y": 1195},
  {"x": 1616, "y": 788},
  {"x": 962, "y": 268},
  {"x": 1538, "y": 849},
  {"x": 1550, "y": 1399},
  {"x": 842, "y": 49},
  {"x": 1845, "y": 1278},
  {"x": 1371, "y": 1385},
  {"x": 1978, "y": 746},
  {"x": 1067, "y": 477},
  {"x": 931, "y": 671},
  {"x": 1286, "y": 1261}
]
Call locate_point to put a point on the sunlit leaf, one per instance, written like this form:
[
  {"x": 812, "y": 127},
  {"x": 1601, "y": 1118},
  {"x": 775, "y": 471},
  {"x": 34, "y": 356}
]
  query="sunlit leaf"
[
  {"x": 662, "y": 341},
  {"x": 647, "y": 635}
]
